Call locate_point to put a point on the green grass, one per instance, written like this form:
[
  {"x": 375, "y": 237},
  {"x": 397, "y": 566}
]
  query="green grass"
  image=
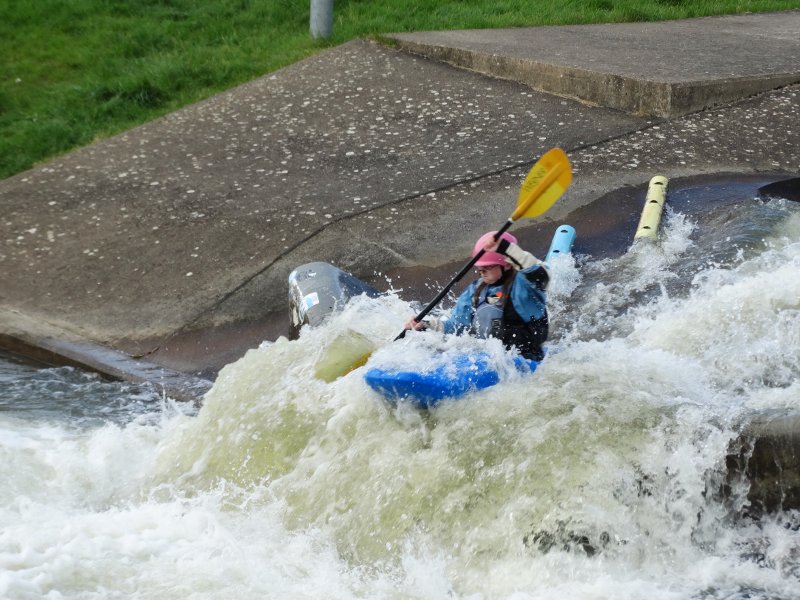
[{"x": 74, "y": 71}]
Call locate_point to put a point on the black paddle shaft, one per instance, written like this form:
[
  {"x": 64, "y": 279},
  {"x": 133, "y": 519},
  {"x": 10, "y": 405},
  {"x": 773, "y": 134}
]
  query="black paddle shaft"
[{"x": 424, "y": 312}]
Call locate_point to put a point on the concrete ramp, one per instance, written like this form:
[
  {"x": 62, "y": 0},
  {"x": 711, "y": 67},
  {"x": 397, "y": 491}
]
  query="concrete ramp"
[{"x": 663, "y": 69}]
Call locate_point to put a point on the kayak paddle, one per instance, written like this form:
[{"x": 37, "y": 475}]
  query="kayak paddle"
[{"x": 544, "y": 184}]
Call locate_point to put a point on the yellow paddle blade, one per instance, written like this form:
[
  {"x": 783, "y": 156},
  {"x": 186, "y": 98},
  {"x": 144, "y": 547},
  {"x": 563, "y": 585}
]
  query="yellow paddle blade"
[
  {"x": 544, "y": 184},
  {"x": 348, "y": 350}
]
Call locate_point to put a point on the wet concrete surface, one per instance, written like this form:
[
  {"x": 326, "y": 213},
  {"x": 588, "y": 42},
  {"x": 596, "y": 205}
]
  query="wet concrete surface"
[
  {"x": 196, "y": 219},
  {"x": 767, "y": 457}
]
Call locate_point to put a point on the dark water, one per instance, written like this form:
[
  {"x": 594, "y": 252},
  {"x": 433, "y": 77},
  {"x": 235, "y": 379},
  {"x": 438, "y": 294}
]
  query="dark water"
[{"x": 69, "y": 396}]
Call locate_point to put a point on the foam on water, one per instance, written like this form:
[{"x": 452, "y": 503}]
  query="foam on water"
[{"x": 594, "y": 478}]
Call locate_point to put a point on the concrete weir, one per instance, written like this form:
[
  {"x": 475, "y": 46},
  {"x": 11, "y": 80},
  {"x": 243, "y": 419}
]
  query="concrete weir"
[
  {"x": 767, "y": 456},
  {"x": 162, "y": 254},
  {"x": 689, "y": 65}
]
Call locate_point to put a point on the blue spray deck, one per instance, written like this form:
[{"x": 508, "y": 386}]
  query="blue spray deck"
[{"x": 453, "y": 379}]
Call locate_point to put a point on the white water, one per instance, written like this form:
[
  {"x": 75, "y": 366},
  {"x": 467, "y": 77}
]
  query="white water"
[{"x": 592, "y": 479}]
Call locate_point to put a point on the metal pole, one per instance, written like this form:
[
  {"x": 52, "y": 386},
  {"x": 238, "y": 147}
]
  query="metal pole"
[{"x": 321, "y": 18}]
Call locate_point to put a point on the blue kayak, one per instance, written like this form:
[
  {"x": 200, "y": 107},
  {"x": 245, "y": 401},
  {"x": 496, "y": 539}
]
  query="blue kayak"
[{"x": 455, "y": 378}]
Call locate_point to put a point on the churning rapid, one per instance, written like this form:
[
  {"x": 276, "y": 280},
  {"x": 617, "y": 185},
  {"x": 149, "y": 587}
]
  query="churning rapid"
[{"x": 596, "y": 477}]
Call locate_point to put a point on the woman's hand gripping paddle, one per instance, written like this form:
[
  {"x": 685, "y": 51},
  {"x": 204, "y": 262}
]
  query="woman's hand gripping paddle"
[{"x": 547, "y": 180}]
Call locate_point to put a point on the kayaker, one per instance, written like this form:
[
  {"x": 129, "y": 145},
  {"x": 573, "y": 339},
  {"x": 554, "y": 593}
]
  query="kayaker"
[{"x": 506, "y": 271}]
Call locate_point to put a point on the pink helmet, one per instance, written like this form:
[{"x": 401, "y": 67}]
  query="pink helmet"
[{"x": 491, "y": 258}]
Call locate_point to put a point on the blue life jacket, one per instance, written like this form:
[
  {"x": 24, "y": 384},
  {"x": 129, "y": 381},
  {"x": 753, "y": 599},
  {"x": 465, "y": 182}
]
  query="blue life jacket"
[{"x": 490, "y": 311}]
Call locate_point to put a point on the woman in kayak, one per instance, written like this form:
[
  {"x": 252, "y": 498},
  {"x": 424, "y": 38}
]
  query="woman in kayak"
[{"x": 506, "y": 271}]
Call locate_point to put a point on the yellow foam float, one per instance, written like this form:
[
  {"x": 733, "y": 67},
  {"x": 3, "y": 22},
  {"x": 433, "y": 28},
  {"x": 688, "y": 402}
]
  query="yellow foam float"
[{"x": 653, "y": 208}]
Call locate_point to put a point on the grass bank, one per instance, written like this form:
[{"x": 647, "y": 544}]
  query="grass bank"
[{"x": 72, "y": 72}]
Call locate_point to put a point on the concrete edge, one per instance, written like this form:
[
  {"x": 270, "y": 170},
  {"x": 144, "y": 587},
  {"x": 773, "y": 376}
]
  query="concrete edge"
[
  {"x": 767, "y": 456},
  {"x": 692, "y": 97},
  {"x": 66, "y": 349},
  {"x": 641, "y": 97}
]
